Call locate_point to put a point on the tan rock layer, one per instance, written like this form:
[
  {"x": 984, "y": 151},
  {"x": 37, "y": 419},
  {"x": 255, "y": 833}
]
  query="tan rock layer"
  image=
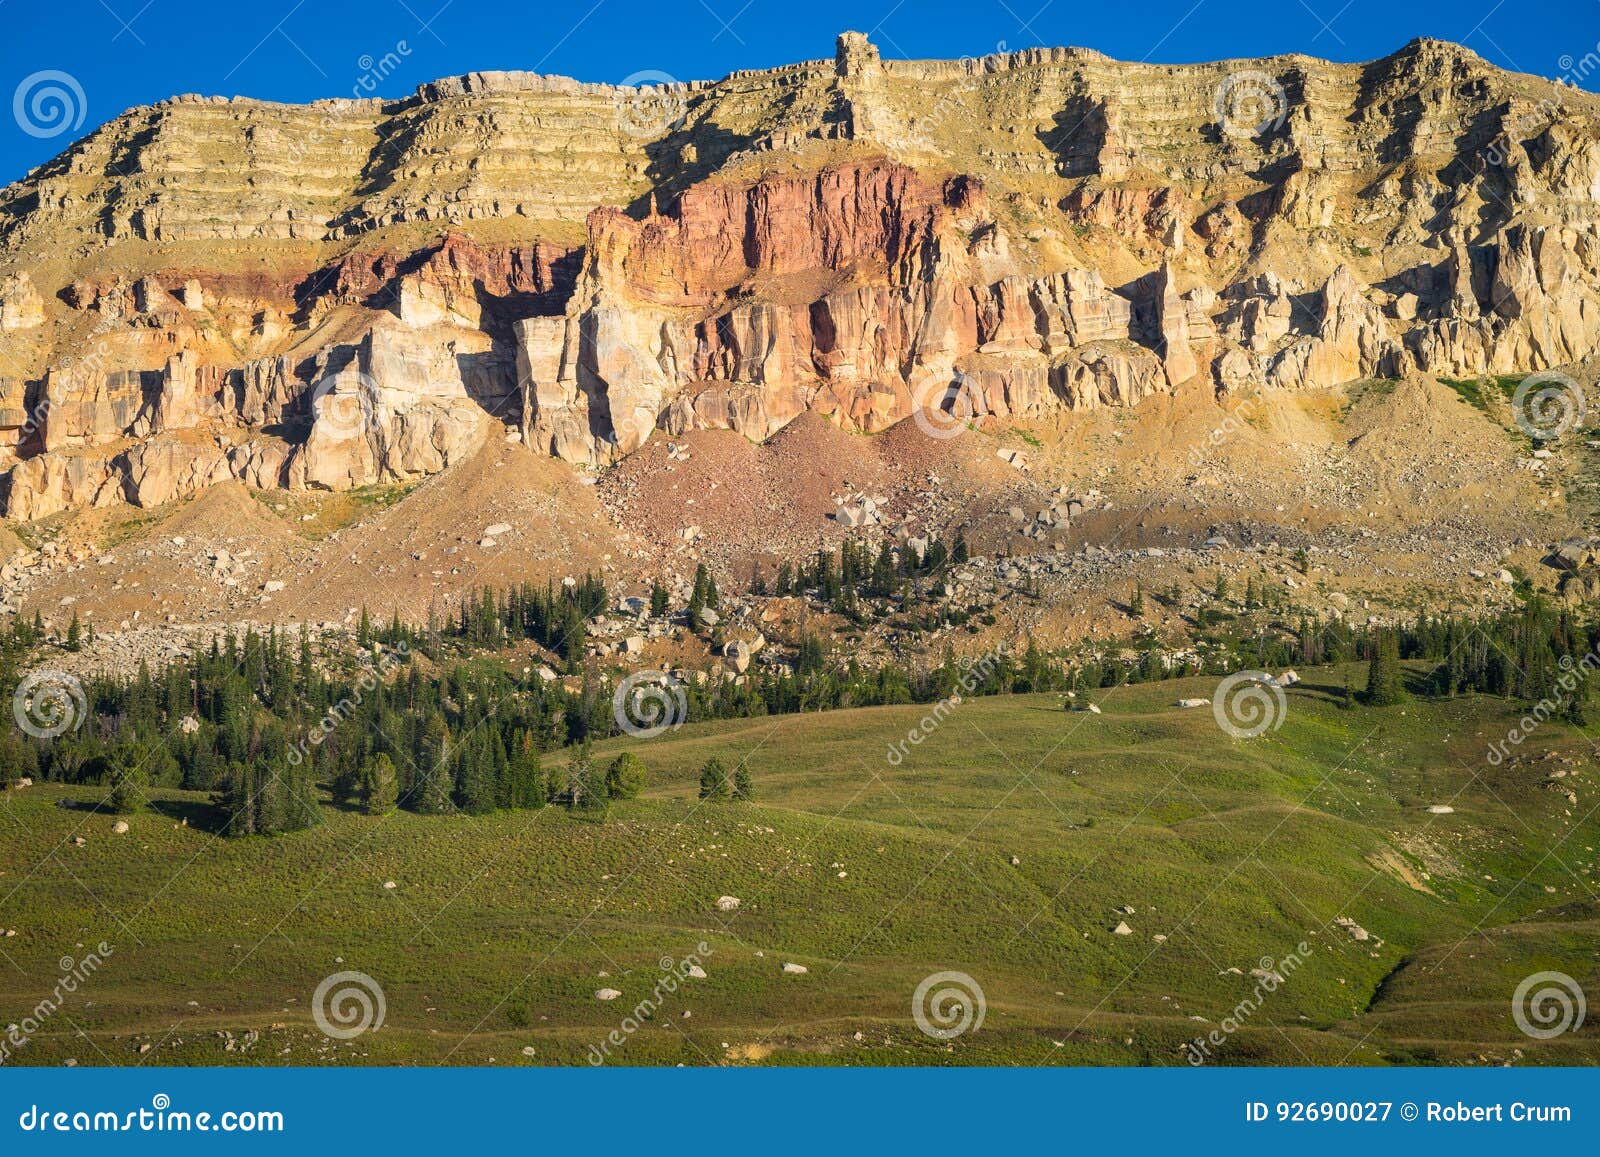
[{"x": 1007, "y": 237}]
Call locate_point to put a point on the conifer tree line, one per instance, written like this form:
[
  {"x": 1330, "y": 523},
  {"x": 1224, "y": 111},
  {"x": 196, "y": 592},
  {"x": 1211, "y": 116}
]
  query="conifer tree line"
[
  {"x": 854, "y": 574},
  {"x": 555, "y": 617},
  {"x": 266, "y": 723}
]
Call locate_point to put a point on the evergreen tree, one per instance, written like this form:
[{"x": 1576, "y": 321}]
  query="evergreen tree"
[
  {"x": 586, "y": 786},
  {"x": 74, "y": 634},
  {"x": 658, "y": 600},
  {"x": 714, "y": 780},
  {"x": 1384, "y": 686},
  {"x": 431, "y": 793},
  {"x": 524, "y": 777},
  {"x": 744, "y": 787},
  {"x": 238, "y": 799},
  {"x": 298, "y": 808},
  {"x": 379, "y": 785},
  {"x": 699, "y": 597},
  {"x": 625, "y": 777},
  {"x": 475, "y": 785},
  {"x": 127, "y": 789}
]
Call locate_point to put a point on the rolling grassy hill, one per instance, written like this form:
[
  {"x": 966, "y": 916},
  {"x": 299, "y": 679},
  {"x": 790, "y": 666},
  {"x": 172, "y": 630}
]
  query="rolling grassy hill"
[{"x": 1007, "y": 846}]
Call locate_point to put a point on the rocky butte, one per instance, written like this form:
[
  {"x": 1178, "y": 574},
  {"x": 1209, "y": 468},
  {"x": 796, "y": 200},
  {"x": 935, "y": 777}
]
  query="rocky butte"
[{"x": 347, "y": 292}]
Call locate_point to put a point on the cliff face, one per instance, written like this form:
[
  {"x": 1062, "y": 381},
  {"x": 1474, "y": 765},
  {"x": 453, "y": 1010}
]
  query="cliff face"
[{"x": 348, "y": 292}]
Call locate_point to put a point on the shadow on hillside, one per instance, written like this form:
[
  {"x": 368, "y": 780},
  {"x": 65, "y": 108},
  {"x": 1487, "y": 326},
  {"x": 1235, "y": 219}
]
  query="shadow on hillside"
[{"x": 195, "y": 813}]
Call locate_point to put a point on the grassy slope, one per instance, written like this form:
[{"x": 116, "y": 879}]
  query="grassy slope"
[{"x": 497, "y": 933}]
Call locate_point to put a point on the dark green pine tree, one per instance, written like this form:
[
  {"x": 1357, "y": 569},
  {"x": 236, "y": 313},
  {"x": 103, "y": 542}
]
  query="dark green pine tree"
[
  {"x": 380, "y": 786},
  {"x": 128, "y": 782},
  {"x": 625, "y": 777},
  {"x": 299, "y": 807},
  {"x": 714, "y": 780},
  {"x": 523, "y": 781},
  {"x": 475, "y": 785},
  {"x": 698, "y": 597},
  {"x": 882, "y": 581},
  {"x": 239, "y": 798},
  {"x": 1384, "y": 686},
  {"x": 744, "y": 787},
  {"x": 431, "y": 792},
  {"x": 586, "y": 786}
]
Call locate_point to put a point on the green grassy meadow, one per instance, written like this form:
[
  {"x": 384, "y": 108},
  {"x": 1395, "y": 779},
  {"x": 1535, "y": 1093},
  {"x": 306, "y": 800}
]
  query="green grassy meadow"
[{"x": 499, "y": 930}]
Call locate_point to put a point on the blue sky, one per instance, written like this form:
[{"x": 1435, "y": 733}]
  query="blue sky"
[{"x": 103, "y": 56}]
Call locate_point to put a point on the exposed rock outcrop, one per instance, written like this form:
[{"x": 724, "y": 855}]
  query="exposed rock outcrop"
[{"x": 1020, "y": 236}]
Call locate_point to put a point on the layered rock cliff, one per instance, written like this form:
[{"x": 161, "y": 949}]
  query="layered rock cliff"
[{"x": 356, "y": 291}]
